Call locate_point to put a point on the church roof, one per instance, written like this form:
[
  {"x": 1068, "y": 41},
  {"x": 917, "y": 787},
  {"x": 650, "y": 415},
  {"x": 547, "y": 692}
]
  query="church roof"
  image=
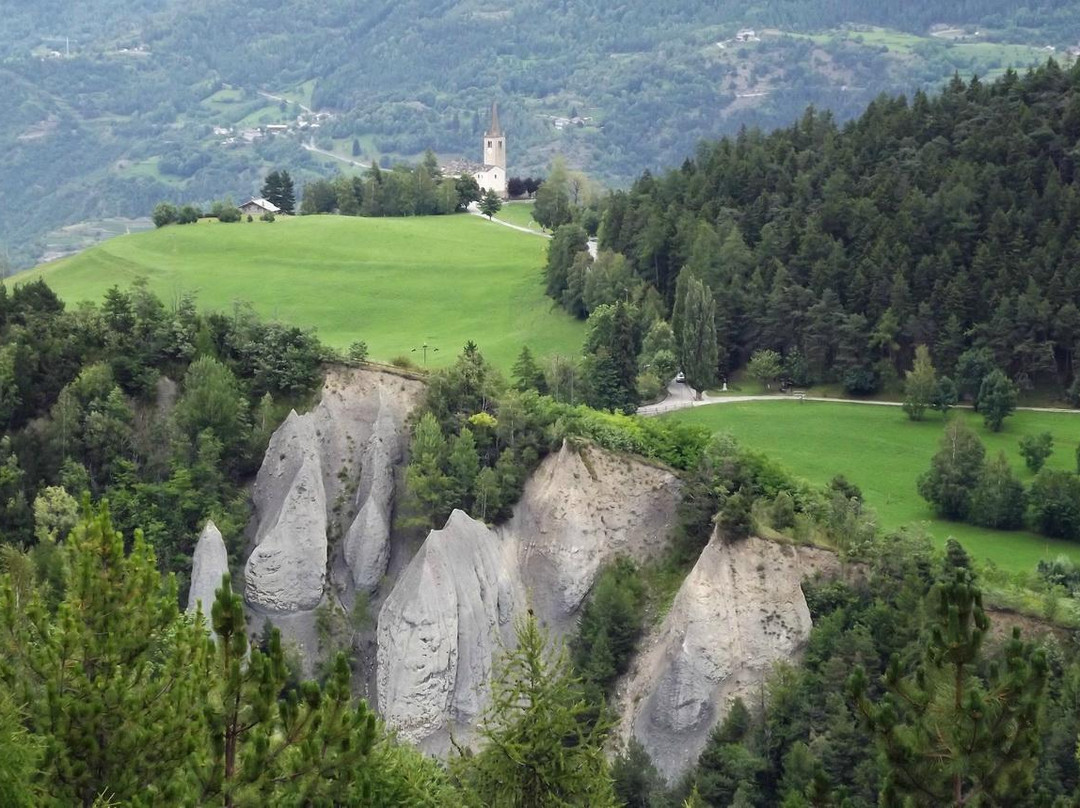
[{"x": 494, "y": 130}]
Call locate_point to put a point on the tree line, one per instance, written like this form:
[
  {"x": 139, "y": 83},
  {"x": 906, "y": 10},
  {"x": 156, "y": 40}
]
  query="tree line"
[
  {"x": 946, "y": 221},
  {"x": 163, "y": 410}
]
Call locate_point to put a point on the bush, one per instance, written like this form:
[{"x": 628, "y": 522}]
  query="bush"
[
  {"x": 225, "y": 212},
  {"x": 1035, "y": 449},
  {"x": 404, "y": 362},
  {"x": 1054, "y": 503},
  {"x": 266, "y": 217},
  {"x": 164, "y": 213},
  {"x": 358, "y": 351}
]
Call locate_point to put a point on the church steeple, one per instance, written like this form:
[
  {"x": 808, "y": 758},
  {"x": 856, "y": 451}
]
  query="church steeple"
[
  {"x": 494, "y": 130},
  {"x": 495, "y": 141}
]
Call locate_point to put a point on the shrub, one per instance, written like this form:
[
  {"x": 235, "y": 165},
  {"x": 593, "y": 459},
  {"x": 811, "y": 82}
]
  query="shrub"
[
  {"x": 1035, "y": 449},
  {"x": 164, "y": 213},
  {"x": 358, "y": 351}
]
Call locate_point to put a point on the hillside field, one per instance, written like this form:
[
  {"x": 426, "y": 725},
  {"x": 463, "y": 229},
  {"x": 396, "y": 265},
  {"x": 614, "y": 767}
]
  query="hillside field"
[
  {"x": 394, "y": 283},
  {"x": 883, "y": 452}
]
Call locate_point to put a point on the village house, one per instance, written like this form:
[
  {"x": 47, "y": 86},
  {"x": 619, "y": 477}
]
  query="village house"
[{"x": 259, "y": 206}]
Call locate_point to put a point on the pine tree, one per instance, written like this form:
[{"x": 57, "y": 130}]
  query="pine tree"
[
  {"x": 429, "y": 484},
  {"x": 264, "y": 734},
  {"x": 960, "y": 729},
  {"x": 490, "y": 204},
  {"x": 528, "y": 374},
  {"x": 111, "y": 676}
]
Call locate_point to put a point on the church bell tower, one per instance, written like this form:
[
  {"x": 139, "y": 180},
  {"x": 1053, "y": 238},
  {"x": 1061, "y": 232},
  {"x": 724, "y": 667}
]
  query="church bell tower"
[{"x": 495, "y": 141}]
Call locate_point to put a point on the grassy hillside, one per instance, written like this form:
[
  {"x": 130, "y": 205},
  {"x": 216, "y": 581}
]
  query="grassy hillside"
[
  {"x": 394, "y": 283},
  {"x": 883, "y": 453}
]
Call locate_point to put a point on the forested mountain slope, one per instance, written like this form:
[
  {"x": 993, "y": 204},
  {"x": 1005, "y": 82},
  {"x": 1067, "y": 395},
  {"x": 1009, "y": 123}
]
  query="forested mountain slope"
[
  {"x": 948, "y": 221},
  {"x": 129, "y": 115}
]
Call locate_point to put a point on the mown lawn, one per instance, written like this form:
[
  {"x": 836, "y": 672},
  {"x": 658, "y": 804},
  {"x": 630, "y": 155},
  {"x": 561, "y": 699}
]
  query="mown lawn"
[
  {"x": 883, "y": 452},
  {"x": 394, "y": 283},
  {"x": 519, "y": 213}
]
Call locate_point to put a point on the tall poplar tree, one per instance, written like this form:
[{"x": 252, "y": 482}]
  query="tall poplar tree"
[{"x": 698, "y": 349}]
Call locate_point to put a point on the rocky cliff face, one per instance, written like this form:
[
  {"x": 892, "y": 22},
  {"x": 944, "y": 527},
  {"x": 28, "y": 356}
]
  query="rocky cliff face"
[
  {"x": 456, "y": 602},
  {"x": 740, "y": 611},
  {"x": 328, "y": 473}
]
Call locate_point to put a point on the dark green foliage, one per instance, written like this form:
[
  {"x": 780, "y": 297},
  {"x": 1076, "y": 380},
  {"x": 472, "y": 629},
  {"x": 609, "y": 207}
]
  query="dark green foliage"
[
  {"x": 109, "y": 674},
  {"x": 568, "y": 241},
  {"x": 998, "y": 499},
  {"x": 490, "y": 204},
  {"x": 164, "y": 213},
  {"x": 125, "y": 699},
  {"x": 528, "y": 375},
  {"x": 834, "y": 253},
  {"x": 84, "y": 411},
  {"x": 954, "y": 472},
  {"x": 637, "y": 783},
  {"x": 538, "y": 748},
  {"x": 1054, "y": 503},
  {"x": 945, "y": 395},
  {"x": 609, "y": 627},
  {"x": 997, "y": 399},
  {"x": 1035, "y": 449},
  {"x": 698, "y": 351},
  {"x": 955, "y": 732},
  {"x": 278, "y": 189},
  {"x": 612, "y": 345}
]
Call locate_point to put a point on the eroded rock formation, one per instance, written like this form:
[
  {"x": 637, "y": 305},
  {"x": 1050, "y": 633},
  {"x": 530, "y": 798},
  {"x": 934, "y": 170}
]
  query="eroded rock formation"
[
  {"x": 442, "y": 623},
  {"x": 209, "y": 563},
  {"x": 739, "y": 611},
  {"x": 318, "y": 468}
]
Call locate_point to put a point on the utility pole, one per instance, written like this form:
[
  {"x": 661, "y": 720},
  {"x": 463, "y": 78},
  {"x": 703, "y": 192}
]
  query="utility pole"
[{"x": 424, "y": 348}]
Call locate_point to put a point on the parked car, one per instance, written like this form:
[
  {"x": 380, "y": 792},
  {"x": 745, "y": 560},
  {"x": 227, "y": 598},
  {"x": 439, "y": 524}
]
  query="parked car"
[{"x": 680, "y": 377}]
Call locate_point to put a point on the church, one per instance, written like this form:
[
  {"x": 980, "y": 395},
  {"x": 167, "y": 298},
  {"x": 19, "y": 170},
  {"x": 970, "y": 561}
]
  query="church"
[{"x": 491, "y": 174}]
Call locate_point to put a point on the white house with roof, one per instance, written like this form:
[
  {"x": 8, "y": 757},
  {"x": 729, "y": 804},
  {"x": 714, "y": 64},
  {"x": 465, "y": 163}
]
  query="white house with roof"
[{"x": 259, "y": 206}]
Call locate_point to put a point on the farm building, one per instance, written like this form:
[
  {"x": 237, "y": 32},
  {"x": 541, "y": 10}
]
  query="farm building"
[{"x": 257, "y": 207}]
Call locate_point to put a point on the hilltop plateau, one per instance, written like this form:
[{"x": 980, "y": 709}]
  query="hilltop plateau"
[{"x": 394, "y": 283}]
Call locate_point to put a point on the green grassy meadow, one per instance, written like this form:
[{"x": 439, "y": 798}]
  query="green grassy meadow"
[
  {"x": 394, "y": 283},
  {"x": 519, "y": 213},
  {"x": 883, "y": 452}
]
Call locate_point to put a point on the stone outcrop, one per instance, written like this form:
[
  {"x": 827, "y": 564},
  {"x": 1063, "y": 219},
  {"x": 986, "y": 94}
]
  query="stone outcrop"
[
  {"x": 578, "y": 511},
  {"x": 287, "y": 569},
  {"x": 440, "y": 628},
  {"x": 210, "y": 562},
  {"x": 739, "y": 611},
  {"x": 343, "y": 453},
  {"x": 367, "y": 542},
  {"x": 442, "y": 624}
]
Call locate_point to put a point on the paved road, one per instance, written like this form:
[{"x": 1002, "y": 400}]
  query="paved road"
[
  {"x": 474, "y": 209},
  {"x": 311, "y": 147},
  {"x": 680, "y": 397}
]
